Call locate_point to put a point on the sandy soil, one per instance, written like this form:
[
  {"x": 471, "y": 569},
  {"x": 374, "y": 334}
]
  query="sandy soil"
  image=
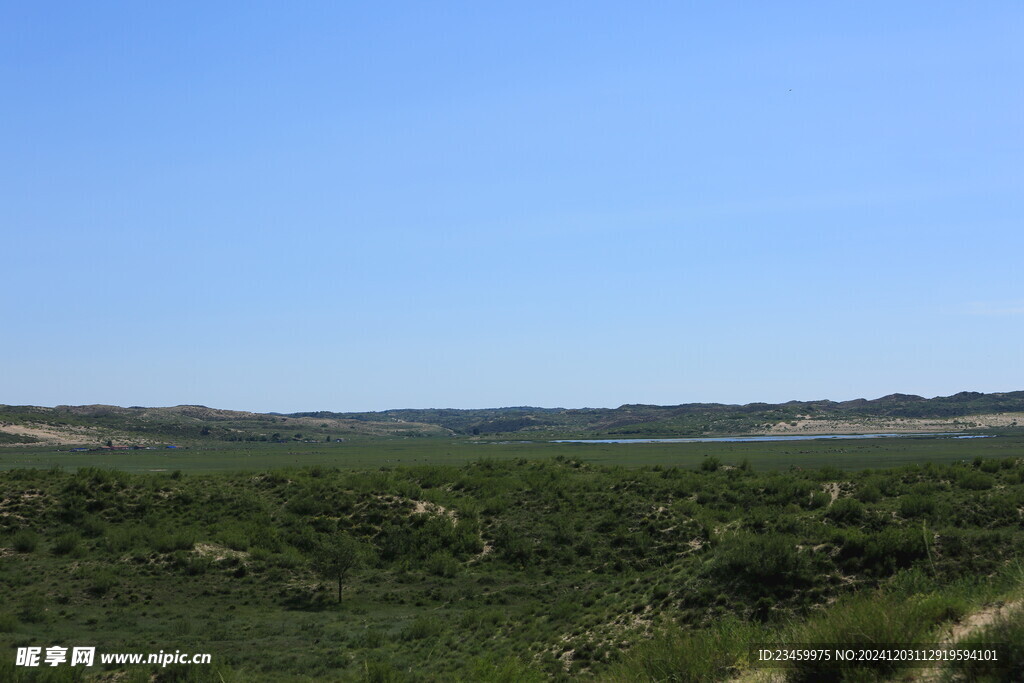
[
  {"x": 422, "y": 507},
  {"x": 832, "y": 489},
  {"x": 809, "y": 425},
  {"x": 52, "y": 435},
  {"x": 219, "y": 552},
  {"x": 980, "y": 619},
  {"x": 970, "y": 624}
]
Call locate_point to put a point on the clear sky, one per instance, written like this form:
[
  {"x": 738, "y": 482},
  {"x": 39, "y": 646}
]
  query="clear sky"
[{"x": 281, "y": 206}]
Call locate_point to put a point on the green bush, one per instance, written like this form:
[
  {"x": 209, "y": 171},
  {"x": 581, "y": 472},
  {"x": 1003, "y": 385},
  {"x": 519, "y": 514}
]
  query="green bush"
[
  {"x": 846, "y": 511},
  {"x": 884, "y": 552},
  {"x": 377, "y": 671},
  {"x": 503, "y": 670},
  {"x": 100, "y": 582},
  {"x": 164, "y": 541},
  {"x": 65, "y": 544},
  {"x": 762, "y": 565},
  {"x": 688, "y": 656},
  {"x": 818, "y": 500},
  {"x": 8, "y": 623},
  {"x": 865, "y": 620},
  {"x": 92, "y": 526},
  {"x": 710, "y": 464},
  {"x": 975, "y": 481},
  {"x": 422, "y": 627},
  {"x": 442, "y": 564},
  {"x": 25, "y": 541},
  {"x": 33, "y": 609},
  {"x": 305, "y": 506},
  {"x": 916, "y": 505},
  {"x": 868, "y": 494}
]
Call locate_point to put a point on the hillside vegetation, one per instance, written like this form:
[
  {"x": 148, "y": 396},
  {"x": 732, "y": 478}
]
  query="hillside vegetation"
[
  {"x": 503, "y": 570},
  {"x": 897, "y": 412},
  {"x": 95, "y": 425}
]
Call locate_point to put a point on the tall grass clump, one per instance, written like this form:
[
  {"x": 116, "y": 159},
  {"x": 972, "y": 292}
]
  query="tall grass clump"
[
  {"x": 66, "y": 544},
  {"x": 504, "y": 670},
  {"x": 689, "y": 656},
  {"x": 760, "y": 565},
  {"x": 8, "y": 623},
  {"x": 422, "y": 627},
  {"x": 867, "y": 620},
  {"x": 25, "y": 541}
]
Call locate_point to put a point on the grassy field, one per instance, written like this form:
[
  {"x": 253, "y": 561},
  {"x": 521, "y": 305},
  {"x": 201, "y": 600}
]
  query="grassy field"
[
  {"x": 850, "y": 454},
  {"x": 509, "y": 562}
]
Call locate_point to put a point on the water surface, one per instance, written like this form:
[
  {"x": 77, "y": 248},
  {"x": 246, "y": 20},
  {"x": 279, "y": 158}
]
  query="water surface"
[{"x": 789, "y": 437}]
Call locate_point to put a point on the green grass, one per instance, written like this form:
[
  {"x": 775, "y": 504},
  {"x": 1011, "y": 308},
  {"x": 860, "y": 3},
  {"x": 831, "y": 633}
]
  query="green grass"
[
  {"x": 853, "y": 454},
  {"x": 515, "y": 568}
]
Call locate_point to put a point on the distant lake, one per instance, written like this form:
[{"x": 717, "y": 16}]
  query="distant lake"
[{"x": 802, "y": 437}]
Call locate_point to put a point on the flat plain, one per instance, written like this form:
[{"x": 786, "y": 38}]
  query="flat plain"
[{"x": 853, "y": 454}]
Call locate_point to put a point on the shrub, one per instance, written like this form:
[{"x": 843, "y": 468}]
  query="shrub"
[
  {"x": 422, "y": 627},
  {"x": 885, "y": 552},
  {"x": 370, "y": 638},
  {"x": 164, "y": 541},
  {"x": 512, "y": 547},
  {"x": 92, "y": 526},
  {"x": 846, "y": 511},
  {"x": 688, "y": 657},
  {"x": 818, "y": 499},
  {"x": 25, "y": 541},
  {"x": 443, "y": 564},
  {"x": 974, "y": 481},
  {"x": 504, "y": 670},
  {"x": 916, "y": 505},
  {"x": 8, "y": 623},
  {"x": 762, "y": 565},
  {"x": 305, "y": 505},
  {"x": 100, "y": 583},
  {"x": 863, "y": 620},
  {"x": 710, "y": 464},
  {"x": 868, "y": 494},
  {"x": 65, "y": 544},
  {"x": 32, "y": 609},
  {"x": 991, "y": 466},
  {"x": 376, "y": 671}
]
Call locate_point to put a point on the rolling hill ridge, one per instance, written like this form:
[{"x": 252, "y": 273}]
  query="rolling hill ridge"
[{"x": 97, "y": 425}]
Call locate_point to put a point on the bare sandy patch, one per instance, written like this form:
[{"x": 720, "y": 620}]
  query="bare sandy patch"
[
  {"x": 54, "y": 435},
  {"x": 219, "y": 552},
  {"x": 832, "y": 489},
  {"x": 68, "y": 435},
  {"x": 980, "y": 619},
  {"x": 423, "y": 507},
  {"x": 971, "y": 624},
  {"x": 810, "y": 425}
]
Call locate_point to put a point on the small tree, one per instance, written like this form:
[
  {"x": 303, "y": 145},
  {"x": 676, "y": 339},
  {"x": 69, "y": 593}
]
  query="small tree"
[{"x": 336, "y": 557}]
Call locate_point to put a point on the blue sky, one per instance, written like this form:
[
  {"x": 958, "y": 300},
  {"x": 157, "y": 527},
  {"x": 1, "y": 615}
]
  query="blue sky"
[{"x": 362, "y": 206}]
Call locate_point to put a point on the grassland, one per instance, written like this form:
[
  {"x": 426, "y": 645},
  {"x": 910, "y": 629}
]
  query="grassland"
[
  {"x": 853, "y": 454},
  {"x": 505, "y": 561}
]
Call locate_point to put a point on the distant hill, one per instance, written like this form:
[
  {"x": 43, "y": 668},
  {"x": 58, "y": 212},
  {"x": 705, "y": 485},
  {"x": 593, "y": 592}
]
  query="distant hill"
[
  {"x": 899, "y": 412},
  {"x": 96, "y": 425}
]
